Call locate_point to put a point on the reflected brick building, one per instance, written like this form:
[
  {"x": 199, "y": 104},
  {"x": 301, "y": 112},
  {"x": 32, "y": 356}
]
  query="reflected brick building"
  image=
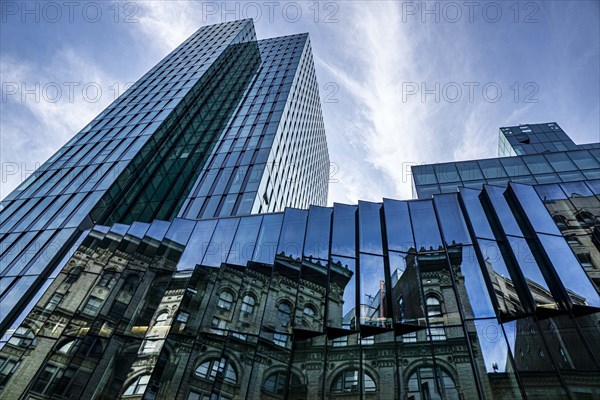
[{"x": 208, "y": 270}]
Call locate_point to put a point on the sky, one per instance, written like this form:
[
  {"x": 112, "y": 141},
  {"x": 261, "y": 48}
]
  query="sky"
[{"x": 401, "y": 83}]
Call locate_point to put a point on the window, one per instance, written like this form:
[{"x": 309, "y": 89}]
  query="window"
[
  {"x": 47, "y": 379},
  {"x": 309, "y": 310},
  {"x": 436, "y": 331},
  {"x": 409, "y": 337},
  {"x": 67, "y": 347},
  {"x": 162, "y": 319},
  {"x": 280, "y": 339},
  {"x": 218, "y": 326},
  {"x": 23, "y": 337},
  {"x": 107, "y": 279},
  {"x": 277, "y": 382},
  {"x": 284, "y": 314},
  {"x": 225, "y": 300},
  {"x": 421, "y": 384},
  {"x": 248, "y": 303},
  {"x": 92, "y": 306},
  {"x": 73, "y": 275},
  {"x": 138, "y": 386},
  {"x": 53, "y": 302},
  {"x": 6, "y": 368},
  {"x": 347, "y": 381},
  {"x": 340, "y": 342},
  {"x": 434, "y": 308},
  {"x": 217, "y": 368},
  {"x": 149, "y": 346}
]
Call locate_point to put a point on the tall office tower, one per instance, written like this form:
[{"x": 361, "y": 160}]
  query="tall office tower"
[{"x": 224, "y": 125}]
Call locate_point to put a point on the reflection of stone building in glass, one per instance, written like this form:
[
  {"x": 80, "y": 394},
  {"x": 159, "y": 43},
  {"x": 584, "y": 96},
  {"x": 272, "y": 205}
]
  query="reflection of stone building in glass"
[{"x": 465, "y": 295}]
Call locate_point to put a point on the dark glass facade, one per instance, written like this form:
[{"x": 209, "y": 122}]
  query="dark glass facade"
[
  {"x": 224, "y": 125},
  {"x": 466, "y": 295},
  {"x": 179, "y": 248}
]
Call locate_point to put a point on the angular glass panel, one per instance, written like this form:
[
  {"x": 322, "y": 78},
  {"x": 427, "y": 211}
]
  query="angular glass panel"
[
  {"x": 476, "y": 214},
  {"x": 579, "y": 288},
  {"x": 369, "y": 227},
  {"x": 291, "y": 241},
  {"x": 534, "y": 209},
  {"x": 343, "y": 237},
  {"x": 397, "y": 225},
  {"x": 268, "y": 238},
  {"x": 560, "y": 162},
  {"x": 537, "y": 164},
  {"x": 451, "y": 219},
  {"x": 424, "y": 175},
  {"x": 425, "y": 226},
  {"x": 244, "y": 241},
  {"x": 469, "y": 280},
  {"x": 373, "y": 308},
  {"x": 514, "y": 166},
  {"x": 492, "y": 357},
  {"x": 220, "y": 242},
  {"x": 316, "y": 244},
  {"x": 502, "y": 210},
  {"x": 407, "y": 301},
  {"x": 504, "y": 290},
  {"x": 550, "y": 192},
  {"x": 341, "y": 304},
  {"x": 197, "y": 245}
]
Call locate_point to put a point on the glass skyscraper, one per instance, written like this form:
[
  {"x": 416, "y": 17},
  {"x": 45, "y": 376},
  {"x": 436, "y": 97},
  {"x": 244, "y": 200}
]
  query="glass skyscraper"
[
  {"x": 487, "y": 291},
  {"x": 224, "y": 125}
]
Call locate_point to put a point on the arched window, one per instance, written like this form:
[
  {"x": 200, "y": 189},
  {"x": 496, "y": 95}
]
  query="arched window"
[
  {"x": 284, "y": 314},
  {"x": 421, "y": 383},
  {"x": 67, "y": 347},
  {"x": 248, "y": 303},
  {"x": 585, "y": 218},
  {"x": 138, "y": 386},
  {"x": 347, "y": 382},
  {"x": 560, "y": 220},
  {"x": 277, "y": 382},
  {"x": 225, "y": 300},
  {"x": 214, "y": 368},
  {"x": 309, "y": 310},
  {"x": 162, "y": 319},
  {"x": 434, "y": 307}
]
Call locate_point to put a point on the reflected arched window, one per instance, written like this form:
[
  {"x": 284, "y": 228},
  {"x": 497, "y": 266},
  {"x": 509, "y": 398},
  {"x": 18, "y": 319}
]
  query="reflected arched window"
[
  {"x": 277, "y": 382},
  {"x": 434, "y": 307},
  {"x": 214, "y": 368},
  {"x": 421, "y": 384},
  {"x": 67, "y": 347},
  {"x": 225, "y": 300},
  {"x": 585, "y": 218},
  {"x": 309, "y": 310},
  {"x": 138, "y": 386},
  {"x": 248, "y": 303},
  {"x": 347, "y": 382},
  {"x": 162, "y": 319},
  {"x": 284, "y": 314},
  {"x": 560, "y": 220}
]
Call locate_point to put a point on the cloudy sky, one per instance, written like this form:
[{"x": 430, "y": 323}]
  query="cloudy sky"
[{"x": 402, "y": 83}]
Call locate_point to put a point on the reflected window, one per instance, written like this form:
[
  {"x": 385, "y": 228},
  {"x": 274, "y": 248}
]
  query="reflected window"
[
  {"x": 248, "y": 303},
  {"x": 225, "y": 300},
  {"x": 73, "y": 275},
  {"x": 108, "y": 278},
  {"x": 284, "y": 314},
  {"x": 560, "y": 220},
  {"x": 22, "y": 337},
  {"x": 215, "y": 368},
  {"x": 162, "y": 319},
  {"x": 47, "y": 379},
  {"x": 280, "y": 339},
  {"x": 421, "y": 384},
  {"x": 6, "y": 368},
  {"x": 138, "y": 386},
  {"x": 347, "y": 382},
  {"x": 277, "y": 382},
  {"x": 53, "y": 302},
  {"x": 309, "y": 310},
  {"x": 67, "y": 347},
  {"x": 434, "y": 307}
]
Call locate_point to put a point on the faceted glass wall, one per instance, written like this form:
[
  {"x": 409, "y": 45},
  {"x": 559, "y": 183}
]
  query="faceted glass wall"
[{"x": 467, "y": 295}]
